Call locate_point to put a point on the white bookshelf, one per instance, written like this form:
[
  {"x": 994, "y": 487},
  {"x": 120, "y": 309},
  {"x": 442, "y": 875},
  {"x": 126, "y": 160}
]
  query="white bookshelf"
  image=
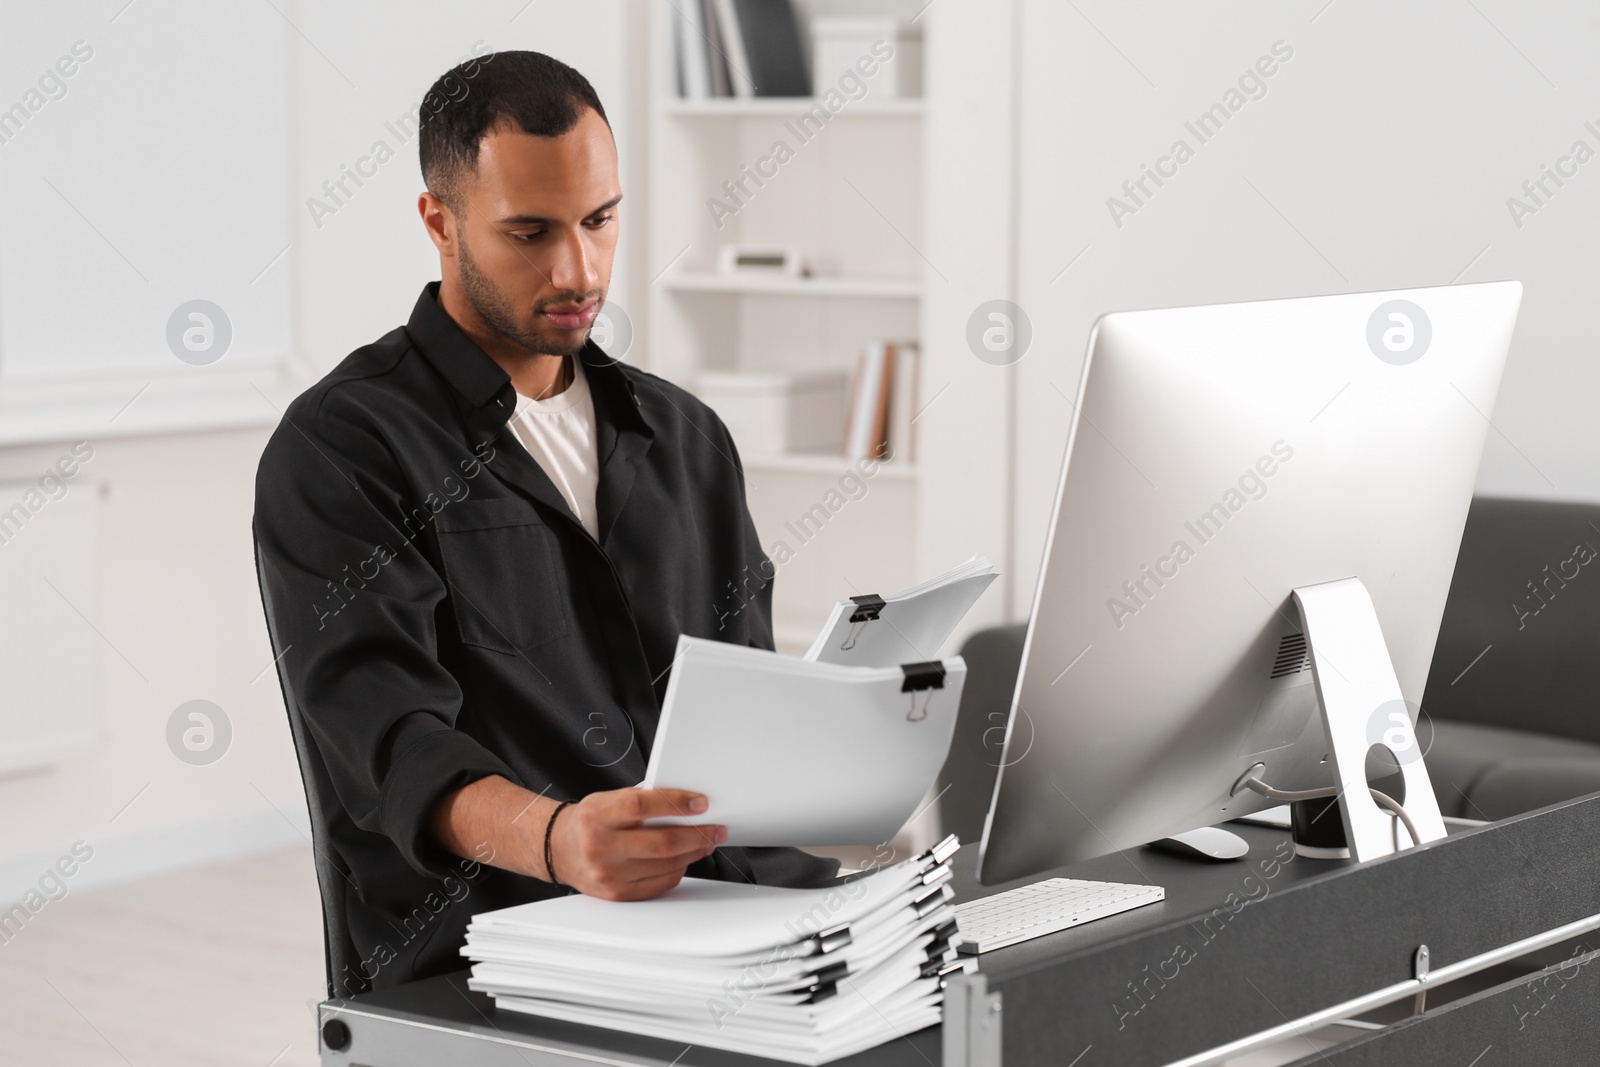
[
  {"x": 863, "y": 288},
  {"x": 784, "y": 107},
  {"x": 849, "y": 196},
  {"x": 828, "y": 466}
]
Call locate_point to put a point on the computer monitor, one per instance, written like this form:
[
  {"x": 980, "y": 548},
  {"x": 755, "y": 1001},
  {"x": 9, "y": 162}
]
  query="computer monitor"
[{"x": 1218, "y": 459}]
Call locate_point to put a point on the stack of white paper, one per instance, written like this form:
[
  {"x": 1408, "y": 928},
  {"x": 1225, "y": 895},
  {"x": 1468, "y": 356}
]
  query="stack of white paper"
[{"x": 804, "y": 975}]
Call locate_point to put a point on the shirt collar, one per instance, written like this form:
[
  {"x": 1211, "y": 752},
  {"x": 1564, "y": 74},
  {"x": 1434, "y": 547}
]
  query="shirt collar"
[{"x": 486, "y": 388}]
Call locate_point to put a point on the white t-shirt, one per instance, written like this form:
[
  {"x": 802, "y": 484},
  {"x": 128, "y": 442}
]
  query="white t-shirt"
[{"x": 559, "y": 433}]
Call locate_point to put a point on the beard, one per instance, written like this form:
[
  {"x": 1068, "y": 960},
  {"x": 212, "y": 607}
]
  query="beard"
[{"x": 499, "y": 312}]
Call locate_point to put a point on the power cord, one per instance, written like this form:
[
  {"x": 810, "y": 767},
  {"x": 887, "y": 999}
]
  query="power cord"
[{"x": 1256, "y": 785}]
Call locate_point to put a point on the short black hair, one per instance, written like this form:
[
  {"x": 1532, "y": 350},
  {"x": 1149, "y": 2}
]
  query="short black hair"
[{"x": 529, "y": 90}]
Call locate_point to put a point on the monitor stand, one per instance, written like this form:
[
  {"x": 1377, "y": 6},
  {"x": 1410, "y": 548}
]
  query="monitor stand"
[{"x": 1362, "y": 706}]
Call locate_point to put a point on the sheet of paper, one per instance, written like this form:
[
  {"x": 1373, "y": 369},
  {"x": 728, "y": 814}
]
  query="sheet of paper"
[
  {"x": 912, "y": 625},
  {"x": 794, "y": 752},
  {"x": 701, "y": 918}
]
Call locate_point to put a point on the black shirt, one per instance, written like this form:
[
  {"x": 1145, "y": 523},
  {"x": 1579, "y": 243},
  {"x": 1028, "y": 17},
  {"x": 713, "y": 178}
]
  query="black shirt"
[{"x": 443, "y": 616}]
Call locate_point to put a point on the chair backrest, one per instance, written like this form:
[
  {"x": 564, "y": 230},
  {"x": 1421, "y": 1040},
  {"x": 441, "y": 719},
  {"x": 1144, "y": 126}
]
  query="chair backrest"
[
  {"x": 344, "y": 975},
  {"x": 1520, "y": 642},
  {"x": 966, "y": 781}
]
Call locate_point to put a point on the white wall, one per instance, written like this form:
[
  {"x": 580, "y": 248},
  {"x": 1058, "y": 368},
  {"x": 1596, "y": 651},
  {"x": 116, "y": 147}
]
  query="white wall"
[
  {"x": 965, "y": 435},
  {"x": 177, "y": 620},
  {"x": 360, "y": 270},
  {"x": 1381, "y": 156},
  {"x": 179, "y": 615},
  {"x": 129, "y": 145}
]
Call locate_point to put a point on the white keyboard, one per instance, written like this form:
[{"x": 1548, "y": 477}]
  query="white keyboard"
[{"x": 1043, "y": 908}]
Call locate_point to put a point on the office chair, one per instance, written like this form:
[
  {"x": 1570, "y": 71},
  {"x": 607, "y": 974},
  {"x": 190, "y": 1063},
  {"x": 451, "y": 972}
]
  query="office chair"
[
  {"x": 338, "y": 950},
  {"x": 966, "y": 782}
]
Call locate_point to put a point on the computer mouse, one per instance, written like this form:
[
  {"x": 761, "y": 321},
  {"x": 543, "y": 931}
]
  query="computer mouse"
[{"x": 1208, "y": 842}]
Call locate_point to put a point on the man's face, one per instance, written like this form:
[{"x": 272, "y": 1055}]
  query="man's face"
[{"x": 536, "y": 232}]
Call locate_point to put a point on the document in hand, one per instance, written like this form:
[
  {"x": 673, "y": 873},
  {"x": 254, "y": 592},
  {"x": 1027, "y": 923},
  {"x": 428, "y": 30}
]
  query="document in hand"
[
  {"x": 792, "y": 752},
  {"x": 804, "y": 975},
  {"x": 911, "y": 625}
]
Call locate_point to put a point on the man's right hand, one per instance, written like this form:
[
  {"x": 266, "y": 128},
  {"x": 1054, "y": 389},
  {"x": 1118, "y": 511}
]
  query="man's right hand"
[{"x": 600, "y": 846}]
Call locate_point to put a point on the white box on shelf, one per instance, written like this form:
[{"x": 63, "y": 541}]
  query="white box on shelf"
[
  {"x": 854, "y": 45},
  {"x": 778, "y": 412}
]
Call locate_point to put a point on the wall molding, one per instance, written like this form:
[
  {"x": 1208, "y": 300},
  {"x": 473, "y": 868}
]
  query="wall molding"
[{"x": 144, "y": 855}]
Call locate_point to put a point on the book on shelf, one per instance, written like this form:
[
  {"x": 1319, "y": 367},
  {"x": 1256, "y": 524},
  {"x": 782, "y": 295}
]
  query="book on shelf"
[
  {"x": 768, "y": 32},
  {"x": 732, "y": 41},
  {"x": 690, "y": 49},
  {"x": 716, "y": 54},
  {"x": 868, "y": 415},
  {"x": 740, "y": 48},
  {"x": 904, "y": 399},
  {"x": 880, "y": 423}
]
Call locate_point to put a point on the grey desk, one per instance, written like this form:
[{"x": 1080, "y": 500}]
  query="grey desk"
[{"x": 1237, "y": 953}]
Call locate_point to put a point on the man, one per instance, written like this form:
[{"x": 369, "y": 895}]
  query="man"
[{"x": 481, "y": 538}]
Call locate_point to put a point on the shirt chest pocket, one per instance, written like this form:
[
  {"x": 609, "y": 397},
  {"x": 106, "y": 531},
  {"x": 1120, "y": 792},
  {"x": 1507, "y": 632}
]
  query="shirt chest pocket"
[{"x": 508, "y": 589}]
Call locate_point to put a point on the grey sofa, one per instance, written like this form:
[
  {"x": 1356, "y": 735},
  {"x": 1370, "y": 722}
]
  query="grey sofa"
[{"x": 1512, "y": 705}]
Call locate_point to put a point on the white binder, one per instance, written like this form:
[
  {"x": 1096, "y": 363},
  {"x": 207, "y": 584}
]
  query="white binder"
[
  {"x": 905, "y": 627},
  {"x": 795, "y": 752}
]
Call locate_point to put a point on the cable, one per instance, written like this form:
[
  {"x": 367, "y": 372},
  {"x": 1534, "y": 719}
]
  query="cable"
[
  {"x": 1400, "y": 813},
  {"x": 1258, "y": 786}
]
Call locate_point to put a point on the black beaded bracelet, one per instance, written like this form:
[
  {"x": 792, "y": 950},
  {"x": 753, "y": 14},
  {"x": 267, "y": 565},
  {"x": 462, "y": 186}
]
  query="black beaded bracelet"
[{"x": 549, "y": 864}]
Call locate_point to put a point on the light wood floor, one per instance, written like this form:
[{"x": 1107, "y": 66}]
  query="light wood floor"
[
  {"x": 210, "y": 967},
  {"x": 214, "y": 966}
]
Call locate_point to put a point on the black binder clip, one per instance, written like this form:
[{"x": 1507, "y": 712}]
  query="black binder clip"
[
  {"x": 943, "y": 850},
  {"x": 834, "y": 937},
  {"x": 930, "y": 898},
  {"x": 820, "y": 991},
  {"x": 831, "y": 973},
  {"x": 924, "y": 678},
  {"x": 868, "y": 607},
  {"x": 954, "y": 968}
]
